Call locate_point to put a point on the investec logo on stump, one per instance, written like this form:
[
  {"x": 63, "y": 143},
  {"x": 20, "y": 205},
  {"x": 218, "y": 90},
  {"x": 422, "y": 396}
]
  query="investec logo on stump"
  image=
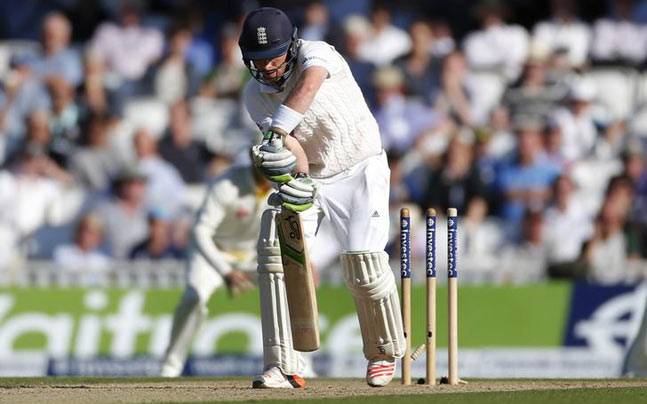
[
  {"x": 405, "y": 265},
  {"x": 451, "y": 247},
  {"x": 431, "y": 246}
]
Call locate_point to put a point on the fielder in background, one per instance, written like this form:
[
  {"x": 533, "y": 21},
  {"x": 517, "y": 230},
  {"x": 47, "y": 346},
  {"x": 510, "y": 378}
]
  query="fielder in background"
[
  {"x": 223, "y": 250},
  {"x": 322, "y": 147},
  {"x": 635, "y": 361}
]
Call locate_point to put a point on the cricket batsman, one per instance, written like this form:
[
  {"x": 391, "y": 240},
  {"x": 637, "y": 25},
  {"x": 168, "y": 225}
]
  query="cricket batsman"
[
  {"x": 322, "y": 148},
  {"x": 223, "y": 250}
]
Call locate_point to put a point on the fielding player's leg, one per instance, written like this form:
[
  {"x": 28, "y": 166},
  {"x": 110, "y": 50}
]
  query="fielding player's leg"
[
  {"x": 190, "y": 313},
  {"x": 282, "y": 364},
  {"x": 635, "y": 362}
]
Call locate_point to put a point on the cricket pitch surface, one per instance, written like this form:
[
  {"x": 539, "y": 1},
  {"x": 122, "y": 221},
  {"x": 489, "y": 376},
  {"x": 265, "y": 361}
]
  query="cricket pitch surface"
[{"x": 156, "y": 390}]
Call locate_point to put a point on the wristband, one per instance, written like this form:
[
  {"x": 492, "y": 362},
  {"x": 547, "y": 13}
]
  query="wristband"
[{"x": 286, "y": 119}]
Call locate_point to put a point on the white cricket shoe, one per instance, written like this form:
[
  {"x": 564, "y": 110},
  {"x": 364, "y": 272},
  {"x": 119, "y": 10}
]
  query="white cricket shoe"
[
  {"x": 380, "y": 372},
  {"x": 170, "y": 369},
  {"x": 274, "y": 378}
]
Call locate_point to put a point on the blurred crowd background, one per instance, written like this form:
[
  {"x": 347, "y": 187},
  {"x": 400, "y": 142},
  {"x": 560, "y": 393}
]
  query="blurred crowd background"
[{"x": 530, "y": 117}]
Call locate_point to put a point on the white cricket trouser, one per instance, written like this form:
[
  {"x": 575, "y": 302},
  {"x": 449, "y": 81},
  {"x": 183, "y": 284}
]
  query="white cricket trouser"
[
  {"x": 635, "y": 361},
  {"x": 356, "y": 204},
  {"x": 202, "y": 281}
]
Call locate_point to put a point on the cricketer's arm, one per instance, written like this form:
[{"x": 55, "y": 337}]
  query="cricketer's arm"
[
  {"x": 208, "y": 218},
  {"x": 300, "y": 99}
]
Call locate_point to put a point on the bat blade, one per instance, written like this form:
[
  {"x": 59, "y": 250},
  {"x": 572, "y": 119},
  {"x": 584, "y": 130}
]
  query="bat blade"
[{"x": 299, "y": 282}]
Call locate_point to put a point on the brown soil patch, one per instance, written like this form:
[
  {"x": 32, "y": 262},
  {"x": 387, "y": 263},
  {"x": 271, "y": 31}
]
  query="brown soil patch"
[{"x": 187, "y": 390}]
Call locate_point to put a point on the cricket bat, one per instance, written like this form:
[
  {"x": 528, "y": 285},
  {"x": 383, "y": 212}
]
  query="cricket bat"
[{"x": 299, "y": 282}]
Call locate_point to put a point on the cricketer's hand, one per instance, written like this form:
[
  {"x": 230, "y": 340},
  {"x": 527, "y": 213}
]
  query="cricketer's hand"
[
  {"x": 238, "y": 282},
  {"x": 298, "y": 194},
  {"x": 274, "y": 160}
]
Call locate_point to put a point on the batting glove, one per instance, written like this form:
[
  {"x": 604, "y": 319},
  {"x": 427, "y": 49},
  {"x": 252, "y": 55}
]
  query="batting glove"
[
  {"x": 272, "y": 159},
  {"x": 298, "y": 194}
]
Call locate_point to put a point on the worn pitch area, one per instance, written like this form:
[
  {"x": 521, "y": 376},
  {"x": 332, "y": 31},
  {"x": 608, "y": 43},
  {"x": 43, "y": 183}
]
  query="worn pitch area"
[{"x": 130, "y": 390}]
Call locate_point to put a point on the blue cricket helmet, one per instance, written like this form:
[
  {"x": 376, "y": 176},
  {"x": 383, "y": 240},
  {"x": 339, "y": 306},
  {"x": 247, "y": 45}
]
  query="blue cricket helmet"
[{"x": 267, "y": 33}]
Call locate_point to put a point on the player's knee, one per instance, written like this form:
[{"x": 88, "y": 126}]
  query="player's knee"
[
  {"x": 367, "y": 274},
  {"x": 192, "y": 298},
  {"x": 268, "y": 249},
  {"x": 372, "y": 284},
  {"x": 269, "y": 260}
]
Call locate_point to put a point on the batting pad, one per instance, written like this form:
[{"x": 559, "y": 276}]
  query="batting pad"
[
  {"x": 275, "y": 318},
  {"x": 370, "y": 280}
]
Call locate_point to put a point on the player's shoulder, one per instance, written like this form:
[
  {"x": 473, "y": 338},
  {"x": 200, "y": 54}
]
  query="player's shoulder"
[
  {"x": 319, "y": 53},
  {"x": 310, "y": 48},
  {"x": 305, "y": 45},
  {"x": 233, "y": 175},
  {"x": 231, "y": 183}
]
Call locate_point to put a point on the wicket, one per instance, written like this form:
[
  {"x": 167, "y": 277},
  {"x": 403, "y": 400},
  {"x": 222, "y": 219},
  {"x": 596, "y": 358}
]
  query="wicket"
[
  {"x": 405, "y": 277},
  {"x": 452, "y": 300}
]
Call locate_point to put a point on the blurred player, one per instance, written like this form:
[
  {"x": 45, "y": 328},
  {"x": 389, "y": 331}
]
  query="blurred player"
[
  {"x": 223, "y": 250},
  {"x": 635, "y": 361},
  {"x": 322, "y": 146}
]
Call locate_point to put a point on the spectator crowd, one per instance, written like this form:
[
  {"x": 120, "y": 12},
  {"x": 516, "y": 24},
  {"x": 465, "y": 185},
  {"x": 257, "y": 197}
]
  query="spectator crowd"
[{"x": 536, "y": 133}]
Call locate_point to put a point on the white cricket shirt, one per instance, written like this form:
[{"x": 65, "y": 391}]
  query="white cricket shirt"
[
  {"x": 338, "y": 130},
  {"x": 228, "y": 222}
]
